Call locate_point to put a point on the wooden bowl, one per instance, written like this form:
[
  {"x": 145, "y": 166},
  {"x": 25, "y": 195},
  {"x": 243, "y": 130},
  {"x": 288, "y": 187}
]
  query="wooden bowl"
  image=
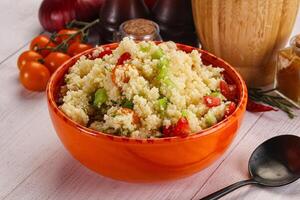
[{"x": 146, "y": 160}]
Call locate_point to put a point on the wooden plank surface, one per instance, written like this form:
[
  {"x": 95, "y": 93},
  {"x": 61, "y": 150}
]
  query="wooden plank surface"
[
  {"x": 35, "y": 165},
  {"x": 19, "y": 23}
]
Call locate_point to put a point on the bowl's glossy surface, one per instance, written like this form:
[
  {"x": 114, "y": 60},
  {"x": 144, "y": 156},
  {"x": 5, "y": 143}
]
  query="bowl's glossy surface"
[{"x": 150, "y": 159}]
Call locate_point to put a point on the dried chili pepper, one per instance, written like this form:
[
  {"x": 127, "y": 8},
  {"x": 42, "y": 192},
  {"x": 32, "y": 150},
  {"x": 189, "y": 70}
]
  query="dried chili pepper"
[{"x": 257, "y": 107}]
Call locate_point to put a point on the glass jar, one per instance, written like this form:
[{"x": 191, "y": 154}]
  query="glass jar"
[
  {"x": 114, "y": 12},
  {"x": 287, "y": 79},
  {"x": 138, "y": 29}
]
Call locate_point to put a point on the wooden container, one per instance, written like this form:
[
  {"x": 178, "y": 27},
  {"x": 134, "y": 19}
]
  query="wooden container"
[{"x": 246, "y": 33}]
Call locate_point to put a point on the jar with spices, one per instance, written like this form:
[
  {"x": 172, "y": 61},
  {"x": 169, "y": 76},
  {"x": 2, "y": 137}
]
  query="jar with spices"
[
  {"x": 114, "y": 12},
  {"x": 287, "y": 79},
  {"x": 138, "y": 29}
]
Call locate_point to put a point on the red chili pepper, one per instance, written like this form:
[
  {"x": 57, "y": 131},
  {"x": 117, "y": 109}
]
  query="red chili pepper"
[
  {"x": 230, "y": 109},
  {"x": 125, "y": 56},
  {"x": 256, "y": 107},
  {"x": 104, "y": 53},
  {"x": 212, "y": 101},
  {"x": 182, "y": 129},
  {"x": 229, "y": 91}
]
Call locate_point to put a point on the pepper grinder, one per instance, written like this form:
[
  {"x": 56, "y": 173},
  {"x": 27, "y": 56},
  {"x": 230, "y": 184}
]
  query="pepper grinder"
[
  {"x": 175, "y": 20},
  {"x": 114, "y": 12}
]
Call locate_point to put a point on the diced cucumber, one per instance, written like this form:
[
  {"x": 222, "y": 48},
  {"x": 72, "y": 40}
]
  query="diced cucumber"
[
  {"x": 168, "y": 82},
  {"x": 100, "y": 97},
  {"x": 162, "y": 104},
  {"x": 162, "y": 73},
  {"x": 217, "y": 94},
  {"x": 184, "y": 113},
  {"x": 157, "y": 54},
  {"x": 210, "y": 119},
  {"x": 163, "y": 62},
  {"x": 145, "y": 48}
]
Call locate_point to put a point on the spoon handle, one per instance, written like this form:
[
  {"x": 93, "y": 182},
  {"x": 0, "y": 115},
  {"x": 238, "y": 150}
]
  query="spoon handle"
[{"x": 228, "y": 189}]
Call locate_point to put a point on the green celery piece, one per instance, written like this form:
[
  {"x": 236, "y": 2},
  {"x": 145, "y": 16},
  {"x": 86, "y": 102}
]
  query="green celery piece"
[
  {"x": 163, "y": 62},
  {"x": 210, "y": 119},
  {"x": 127, "y": 104},
  {"x": 157, "y": 54},
  {"x": 184, "y": 113},
  {"x": 145, "y": 49},
  {"x": 162, "y": 73},
  {"x": 217, "y": 94},
  {"x": 162, "y": 104},
  {"x": 168, "y": 82},
  {"x": 100, "y": 97}
]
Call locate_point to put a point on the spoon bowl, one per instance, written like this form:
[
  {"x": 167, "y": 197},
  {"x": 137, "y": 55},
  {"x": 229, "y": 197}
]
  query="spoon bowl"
[{"x": 274, "y": 163}]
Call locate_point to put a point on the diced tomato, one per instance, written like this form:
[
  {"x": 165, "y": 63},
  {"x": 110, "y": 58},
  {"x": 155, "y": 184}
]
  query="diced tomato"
[
  {"x": 228, "y": 91},
  {"x": 212, "y": 101},
  {"x": 104, "y": 53},
  {"x": 167, "y": 131},
  {"x": 230, "y": 109},
  {"x": 136, "y": 118},
  {"x": 123, "y": 58},
  {"x": 182, "y": 129}
]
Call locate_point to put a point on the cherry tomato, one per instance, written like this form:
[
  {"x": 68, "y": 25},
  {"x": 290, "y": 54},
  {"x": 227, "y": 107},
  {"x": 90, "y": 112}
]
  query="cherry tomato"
[
  {"x": 135, "y": 117},
  {"x": 77, "y": 48},
  {"x": 65, "y": 34},
  {"x": 34, "y": 76},
  {"x": 55, "y": 59},
  {"x": 125, "y": 56},
  {"x": 28, "y": 56},
  {"x": 212, "y": 101},
  {"x": 228, "y": 91},
  {"x": 39, "y": 42},
  {"x": 230, "y": 109},
  {"x": 181, "y": 128}
]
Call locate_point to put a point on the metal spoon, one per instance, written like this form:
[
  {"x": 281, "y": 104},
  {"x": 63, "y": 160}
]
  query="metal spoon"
[{"x": 274, "y": 163}]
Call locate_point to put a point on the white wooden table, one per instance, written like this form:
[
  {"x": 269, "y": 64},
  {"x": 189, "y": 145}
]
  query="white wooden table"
[{"x": 35, "y": 165}]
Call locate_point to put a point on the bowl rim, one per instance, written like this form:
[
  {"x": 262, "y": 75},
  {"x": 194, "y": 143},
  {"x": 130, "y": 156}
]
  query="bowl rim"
[{"x": 97, "y": 134}]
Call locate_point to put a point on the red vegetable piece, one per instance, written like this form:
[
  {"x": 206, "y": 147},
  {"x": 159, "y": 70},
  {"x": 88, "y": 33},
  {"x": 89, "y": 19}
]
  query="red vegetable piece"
[
  {"x": 87, "y": 10},
  {"x": 55, "y": 14},
  {"x": 125, "y": 56},
  {"x": 182, "y": 128},
  {"x": 230, "y": 109},
  {"x": 257, "y": 107},
  {"x": 168, "y": 131},
  {"x": 228, "y": 91},
  {"x": 212, "y": 101},
  {"x": 104, "y": 53}
]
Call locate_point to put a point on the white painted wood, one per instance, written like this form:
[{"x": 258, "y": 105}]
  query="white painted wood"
[
  {"x": 235, "y": 167},
  {"x": 19, "y": 23},
  {"x": 61, "y": 174},
  {"x": 34, "y": 164}
]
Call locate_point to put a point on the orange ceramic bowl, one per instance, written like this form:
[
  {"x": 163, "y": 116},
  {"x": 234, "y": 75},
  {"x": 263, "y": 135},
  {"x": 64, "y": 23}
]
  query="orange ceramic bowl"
[{"x": 146, "y": 160}]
